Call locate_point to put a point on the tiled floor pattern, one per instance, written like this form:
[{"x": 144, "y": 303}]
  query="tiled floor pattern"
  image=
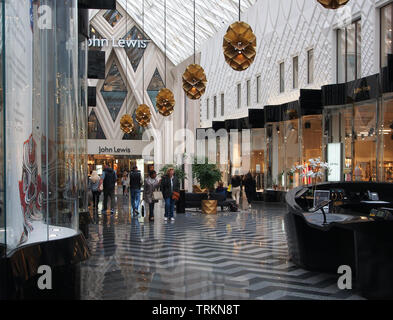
[{"x": 229, "y": 256}]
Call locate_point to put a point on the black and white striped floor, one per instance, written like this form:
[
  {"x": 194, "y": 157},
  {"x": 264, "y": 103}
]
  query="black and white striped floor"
[{"x": 229, "y": 256}]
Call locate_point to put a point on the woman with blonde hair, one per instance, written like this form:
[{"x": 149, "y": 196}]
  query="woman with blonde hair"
[{"x": 94, "y": 186}]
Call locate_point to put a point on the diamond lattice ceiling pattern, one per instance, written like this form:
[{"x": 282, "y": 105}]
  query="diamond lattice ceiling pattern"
[{"x": 211, "y": 16}]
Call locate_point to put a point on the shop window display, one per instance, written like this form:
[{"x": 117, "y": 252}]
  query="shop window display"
[
  {"x": 386, "y": 138},
  {"x": 365, "y": 142},
  {"x": 42, "y": 93}
]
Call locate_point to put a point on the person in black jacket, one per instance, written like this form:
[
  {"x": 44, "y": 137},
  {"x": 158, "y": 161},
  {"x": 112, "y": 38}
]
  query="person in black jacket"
[
  {"x": 236, "y": 182},
  {"x": 250, "y": 187},
  {"x": 108, "y": 180},
  {"x": 169, "y": 184},
  {"x": 135, "y": 189}
]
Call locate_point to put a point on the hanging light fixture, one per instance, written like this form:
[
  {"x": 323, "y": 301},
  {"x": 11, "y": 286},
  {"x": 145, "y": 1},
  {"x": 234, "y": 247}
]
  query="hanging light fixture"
[
  {"x": 142, "y": 113},
  {"x": 239, "y": 45},
  {"x": 194, "y": 78},
  {"x": 126, "y": 121},
  {"x": 333, "y": 4},
  {"x": 165, "y": 100}
]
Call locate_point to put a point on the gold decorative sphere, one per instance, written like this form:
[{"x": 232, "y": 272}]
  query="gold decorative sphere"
[
  {"x": 333, "y": 4},
  {"x": 239, "y": 46},
  {"x": 194, "y": 81},
  {"x": 143, "y": 115},
  {"x": 165, "y": 102},
  {"x": 127, "y": 123}
]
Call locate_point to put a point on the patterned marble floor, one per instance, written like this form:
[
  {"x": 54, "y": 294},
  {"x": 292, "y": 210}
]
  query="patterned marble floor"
[{"x": 229, "y": 256}]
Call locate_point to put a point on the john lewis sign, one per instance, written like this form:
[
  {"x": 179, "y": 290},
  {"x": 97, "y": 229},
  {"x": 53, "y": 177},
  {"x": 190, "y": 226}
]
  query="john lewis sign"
[{"x": 118, "y": 43}]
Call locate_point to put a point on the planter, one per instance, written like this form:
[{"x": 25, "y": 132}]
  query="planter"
[{"x": 209, "y": 206}]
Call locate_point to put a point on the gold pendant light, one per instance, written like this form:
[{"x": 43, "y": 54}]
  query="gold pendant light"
[
  {"x": 333, "y": 4},
  {"x": 194, "y": 77},
  {"x": 126, "y": 121},
  {"x": 239, "y": 45},
  {"x": 142, "y": 113},
  {"x": 165, "y": 100},
  {"x": 194, "y": 81},
  {"x": 127, "y": 124}
]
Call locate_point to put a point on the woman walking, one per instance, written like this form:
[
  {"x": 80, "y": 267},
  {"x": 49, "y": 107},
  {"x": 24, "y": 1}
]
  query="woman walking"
[
  {"x": 94, "y": 186},
  {"x": 124, "y": 182},
  {"x": 250, "y": 187},
  {"x": 151, "y": 184},
  {"x": 170, "y": 187}
]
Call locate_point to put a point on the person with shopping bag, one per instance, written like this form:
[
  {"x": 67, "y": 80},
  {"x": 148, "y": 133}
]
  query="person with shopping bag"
[
  {"x": 170, "y": 187},
  {"x": 150, "y": 195}
]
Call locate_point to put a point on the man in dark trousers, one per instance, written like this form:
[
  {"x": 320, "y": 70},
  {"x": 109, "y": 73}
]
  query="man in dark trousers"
[
  {"x": 108, "y": 180},
  {"x": 135, "y": 189}
]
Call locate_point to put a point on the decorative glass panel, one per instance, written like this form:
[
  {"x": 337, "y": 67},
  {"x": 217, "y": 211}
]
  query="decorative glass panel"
[
  {"x": 114, "y": 91},
  {"x": 156, "y": 84},
  {"x": 135, "y": 52},
  {"x": 93, "y": 33},
  {"x": 94, "y": 127},
  {"x": 112, "y": 16}
]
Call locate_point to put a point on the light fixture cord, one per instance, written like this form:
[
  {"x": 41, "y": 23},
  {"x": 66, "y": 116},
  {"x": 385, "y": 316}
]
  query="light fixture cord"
[
  {"x": 143, "y": 62},
  {"x": 194, "y": 31},
  {"x": 239, "y": 11},
  {"x": 165, "y": 37}
]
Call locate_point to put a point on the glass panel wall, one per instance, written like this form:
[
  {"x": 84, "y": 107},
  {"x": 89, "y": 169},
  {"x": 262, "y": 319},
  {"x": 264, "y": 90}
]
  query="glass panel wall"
[
  {"x": 292, "y": 156},
  {"x": 42, "y": 121},
  {"x": 258, "y": 152},
  {"x": 386, "y": 33},
  {"x": 365, "y": 142},
  {"x": 386, "y": 139},
  {"x": 2, "y": 163}
]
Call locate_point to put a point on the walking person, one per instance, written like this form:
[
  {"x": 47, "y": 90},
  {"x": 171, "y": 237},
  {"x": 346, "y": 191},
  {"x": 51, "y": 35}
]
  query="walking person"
[
  {"x": 250, "y": 187},
  {"x": 170, "y": 184},
  {"x": 94, "y": 187},
  {"x": 124, "y": 182},
  {"x": 135, "y": 189},
  {"x": 151, "y": 184},
  {"x": 236, "y": 182},
  {"x": 108, "y": 181}
]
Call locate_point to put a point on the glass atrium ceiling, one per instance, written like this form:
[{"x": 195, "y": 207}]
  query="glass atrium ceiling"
[{"x": 211, "y": 16}]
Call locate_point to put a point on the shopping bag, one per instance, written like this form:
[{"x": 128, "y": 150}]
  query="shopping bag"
[{"x": 157, "y": 195}]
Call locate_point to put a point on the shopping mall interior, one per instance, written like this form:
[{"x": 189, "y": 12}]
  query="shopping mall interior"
[{"x": 196, "y": 150}]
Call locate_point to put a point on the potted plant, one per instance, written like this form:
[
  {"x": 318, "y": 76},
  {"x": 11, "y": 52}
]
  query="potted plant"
[{"x": 207, "y": 175}]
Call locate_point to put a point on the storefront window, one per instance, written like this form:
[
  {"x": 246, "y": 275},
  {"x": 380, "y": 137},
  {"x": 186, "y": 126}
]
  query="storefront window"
[
  {"x": 292, "y": 157},
  {"x": 276, "y": 152},
  {"x": 386, "y": 33},
  {"x": 258, "y": 151},
  {"x": 365, "y": 142},
  {"x": 43, "y": 109},
  {"x": 339, "y": 129},
  {"x": 386, "y": 138}
]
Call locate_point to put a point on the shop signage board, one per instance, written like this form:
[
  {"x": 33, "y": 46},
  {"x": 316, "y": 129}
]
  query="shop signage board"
[
  {"x": 334, "y": 160},
  {"x": 117, "y": 147},
  {"x": 118, "y": 43}
]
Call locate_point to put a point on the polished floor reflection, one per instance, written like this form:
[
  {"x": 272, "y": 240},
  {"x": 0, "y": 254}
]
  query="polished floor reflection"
[{"x": 228, "y": 256}]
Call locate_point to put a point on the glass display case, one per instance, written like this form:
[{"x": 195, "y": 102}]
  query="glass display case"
[{"x": 45, "y": 123}]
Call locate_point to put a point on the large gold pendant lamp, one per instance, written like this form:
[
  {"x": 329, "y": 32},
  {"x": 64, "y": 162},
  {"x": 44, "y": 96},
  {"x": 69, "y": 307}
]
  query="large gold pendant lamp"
[
  {"x": 194, "y": 77},
  {"x": 333, "y": 4},
  {"x": 165, "y": 100},
  {"x": 126, "y": 121},
  {"x": 239, "y": 45},
  {"x": 142, "y": 113}
]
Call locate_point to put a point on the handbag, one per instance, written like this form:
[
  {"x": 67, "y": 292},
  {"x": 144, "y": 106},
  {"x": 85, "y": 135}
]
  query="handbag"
[
  {"x": 157, "y": 195},
  {"x": 101, "y": 187},
  {"x": 175, "y": 196}
]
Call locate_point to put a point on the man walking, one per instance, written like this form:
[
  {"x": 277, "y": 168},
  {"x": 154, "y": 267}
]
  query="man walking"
[
  {"x": 108, "y": 180},
  {"x": 135, "y": 189}
]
